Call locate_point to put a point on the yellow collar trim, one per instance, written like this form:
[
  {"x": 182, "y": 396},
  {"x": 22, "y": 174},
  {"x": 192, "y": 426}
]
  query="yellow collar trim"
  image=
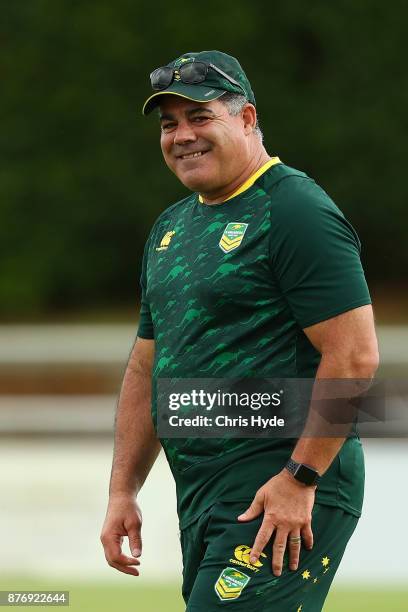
[{"x": 249, "y": 182}]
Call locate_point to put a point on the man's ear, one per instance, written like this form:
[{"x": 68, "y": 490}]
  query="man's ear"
[{"x": 249, "y": 117}]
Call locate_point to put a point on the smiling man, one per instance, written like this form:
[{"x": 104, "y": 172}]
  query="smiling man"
[
  {"x": 214, "y": 160},
  {"x": 256, "y": 273}
]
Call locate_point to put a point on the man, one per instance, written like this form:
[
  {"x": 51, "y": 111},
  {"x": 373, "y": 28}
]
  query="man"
[{"x": 255, "y": 274}]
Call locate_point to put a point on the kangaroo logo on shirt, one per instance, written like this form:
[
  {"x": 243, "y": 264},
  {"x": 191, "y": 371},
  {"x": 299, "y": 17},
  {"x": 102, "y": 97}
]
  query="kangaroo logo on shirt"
[
  {"x": 165, "y": 241},
  {"x": 232, "y": 236}
]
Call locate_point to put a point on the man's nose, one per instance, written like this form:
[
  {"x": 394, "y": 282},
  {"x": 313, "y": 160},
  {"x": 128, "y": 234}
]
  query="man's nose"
[{"x": 184, "y": 133}]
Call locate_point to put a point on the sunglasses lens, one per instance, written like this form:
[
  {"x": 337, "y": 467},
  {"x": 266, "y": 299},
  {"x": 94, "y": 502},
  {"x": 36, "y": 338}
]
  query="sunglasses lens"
[
  {"x": 161, "y": 77},
  {"x": 193, "y": 72}
]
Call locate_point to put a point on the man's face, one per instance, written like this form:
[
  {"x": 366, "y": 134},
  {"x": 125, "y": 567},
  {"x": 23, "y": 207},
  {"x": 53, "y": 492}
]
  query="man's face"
[{"x": 202, "y": 143}]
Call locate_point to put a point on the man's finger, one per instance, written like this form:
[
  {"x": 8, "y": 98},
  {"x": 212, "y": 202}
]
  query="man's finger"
[
  {"x": 294, "y": 544},
  {"x": 135, "y": 542},
  {"x": 113, "y": 551},
  {"x": 253, "y": 511},
  {"x": 125, "y": 569},
  {"x": 278, "y": 551},
  {"x": 307, "y": 535},
  {"x": 262, "y": 538},
  {"x": 121, "y": 559}
]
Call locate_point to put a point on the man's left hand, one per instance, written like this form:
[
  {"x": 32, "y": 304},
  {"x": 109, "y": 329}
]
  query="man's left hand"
[{"x": 287, "y": 506}]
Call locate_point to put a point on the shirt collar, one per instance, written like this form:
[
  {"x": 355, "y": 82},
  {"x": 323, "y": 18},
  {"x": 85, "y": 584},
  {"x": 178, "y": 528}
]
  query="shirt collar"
[{"x": 249, "y": 182}]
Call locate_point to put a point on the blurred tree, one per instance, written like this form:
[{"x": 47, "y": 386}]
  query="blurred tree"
[{"x": 82, "y": 178}]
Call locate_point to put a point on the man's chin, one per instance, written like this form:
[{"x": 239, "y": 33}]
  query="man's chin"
[{"x": 194, "y": 181}]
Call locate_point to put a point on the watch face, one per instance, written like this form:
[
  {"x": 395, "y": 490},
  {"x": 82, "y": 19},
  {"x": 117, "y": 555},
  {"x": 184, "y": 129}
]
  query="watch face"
[{"x": 306, "y": 474}]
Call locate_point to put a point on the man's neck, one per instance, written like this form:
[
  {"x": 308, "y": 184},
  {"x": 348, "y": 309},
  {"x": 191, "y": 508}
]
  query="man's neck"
[{"x": 223, "y": 194}]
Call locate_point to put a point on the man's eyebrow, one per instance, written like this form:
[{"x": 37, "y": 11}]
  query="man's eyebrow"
[
  {"x": 200, "y": 109},
  {"x": 166, "y": 116},
  {"x": 192, "y": 111}
]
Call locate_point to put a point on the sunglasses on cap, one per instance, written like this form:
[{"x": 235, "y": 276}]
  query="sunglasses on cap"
[{"x": 190, "y": 74}]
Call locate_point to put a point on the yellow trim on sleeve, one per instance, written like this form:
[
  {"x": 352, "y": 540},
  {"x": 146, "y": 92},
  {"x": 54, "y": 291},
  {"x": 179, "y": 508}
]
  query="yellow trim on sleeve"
[{"x": 249, "y": 182}]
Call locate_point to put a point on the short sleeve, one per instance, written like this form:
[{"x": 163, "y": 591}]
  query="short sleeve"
[
  {"x": 145, "y": 329},
  {"x": 314, "y": 253}
]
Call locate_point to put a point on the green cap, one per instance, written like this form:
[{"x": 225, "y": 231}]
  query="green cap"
[{"x": 214, "y": 86}]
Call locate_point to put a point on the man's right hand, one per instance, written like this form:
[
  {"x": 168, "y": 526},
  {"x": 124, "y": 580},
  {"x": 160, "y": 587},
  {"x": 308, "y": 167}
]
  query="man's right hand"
[{"x": 123, "y": 518}]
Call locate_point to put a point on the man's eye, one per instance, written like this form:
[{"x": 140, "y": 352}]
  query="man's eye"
[
  {"x": 200, "y": 118},
  {"x": 167, "y": 127}
]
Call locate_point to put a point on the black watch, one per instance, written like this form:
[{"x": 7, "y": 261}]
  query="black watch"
[{"x": 302, "y": 472}]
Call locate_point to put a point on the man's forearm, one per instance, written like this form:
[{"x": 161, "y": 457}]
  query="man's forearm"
[
  {"x": 313, "y": 449},
  {"x": 136, "y": 444}
]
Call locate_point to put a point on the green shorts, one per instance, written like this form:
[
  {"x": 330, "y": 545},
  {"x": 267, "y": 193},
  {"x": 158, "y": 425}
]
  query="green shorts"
[{"x": 217, "y": 573}]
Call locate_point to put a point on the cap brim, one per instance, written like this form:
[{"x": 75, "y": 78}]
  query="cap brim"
[{"x": 197, "y": 93}]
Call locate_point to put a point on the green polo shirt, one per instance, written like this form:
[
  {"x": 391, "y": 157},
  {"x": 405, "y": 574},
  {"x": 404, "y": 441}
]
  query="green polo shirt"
[{"x": 227, "y": 290}]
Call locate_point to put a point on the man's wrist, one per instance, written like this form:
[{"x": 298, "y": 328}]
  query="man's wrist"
[
  {"x": 290, "y": 479},
  {"x": 130, "y": 494}
]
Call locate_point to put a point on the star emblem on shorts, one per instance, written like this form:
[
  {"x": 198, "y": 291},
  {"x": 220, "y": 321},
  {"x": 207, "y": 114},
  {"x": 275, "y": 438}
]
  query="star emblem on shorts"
[
  {"x": 306, "y": 575},
  {"x": 325, "y": 561}
]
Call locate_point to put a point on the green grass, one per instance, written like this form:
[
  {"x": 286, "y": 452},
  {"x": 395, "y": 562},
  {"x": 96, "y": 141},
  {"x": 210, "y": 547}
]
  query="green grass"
[
  {"x": 134, "y": 596},
  {"x": 124, "y": 594},
  {"x": 367, "y": 600}
]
